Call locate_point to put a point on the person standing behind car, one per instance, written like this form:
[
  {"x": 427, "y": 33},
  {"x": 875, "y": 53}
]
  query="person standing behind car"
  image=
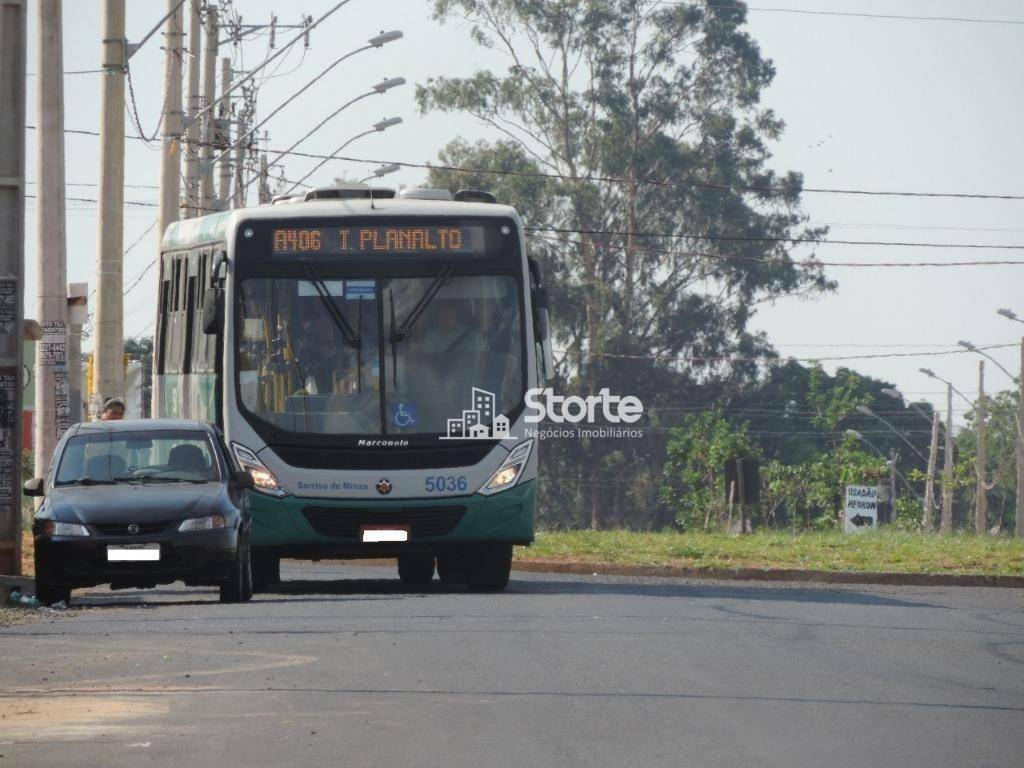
[{"x": 113, "y": 410}]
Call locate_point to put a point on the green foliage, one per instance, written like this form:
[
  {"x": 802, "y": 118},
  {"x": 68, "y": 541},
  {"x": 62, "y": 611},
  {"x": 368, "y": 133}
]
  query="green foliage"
[
  {"x": 697, "y": 454},
  {"x": 612, "y": 98}
]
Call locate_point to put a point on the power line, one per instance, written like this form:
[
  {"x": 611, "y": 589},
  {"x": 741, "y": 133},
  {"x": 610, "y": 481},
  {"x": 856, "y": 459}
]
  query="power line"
[
  {"x": 796, "y": 262},
  {"x": 608, "y": 179},
  {"x": 757, "y": 239},
  {"x": 646, "y": 182},
  {"x": 778, "y": 359},
  {"x": 848, "y": 14}
]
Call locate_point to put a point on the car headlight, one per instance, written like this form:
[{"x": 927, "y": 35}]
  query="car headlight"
[
  {"x": 53, "y": 528},
  {"x": 511, "y": 469},
  {"x": 208, "y": 523},
  {"x": 262, "y": 478}
]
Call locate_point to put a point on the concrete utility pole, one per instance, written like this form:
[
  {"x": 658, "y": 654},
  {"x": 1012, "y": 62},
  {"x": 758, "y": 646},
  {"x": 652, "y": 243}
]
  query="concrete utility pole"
[
  {"x": 892, "y": 486},
  {"x": 928, "y": 518},
  {"x": 265, "y": 195},
  {"x": 13, "y": 33},
  {"x": 981, "y": 499},
  {"x": 52, "y": 401},
  {"x": 946, "y": 524},
  {"x": 224, "y": 133},
  {"x": 78, "y": 315},
  {"x": 170, "y": 157},
  {"x": 243, "y": 125},
  {"x": 1019, "y": 522},
  {"x": 193, "y": 132},
  {"x": 209, "y": 96},
  {"x": 109, "y": 344}
]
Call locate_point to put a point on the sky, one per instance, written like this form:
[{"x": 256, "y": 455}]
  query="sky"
[{"x": 881, "y": 104}]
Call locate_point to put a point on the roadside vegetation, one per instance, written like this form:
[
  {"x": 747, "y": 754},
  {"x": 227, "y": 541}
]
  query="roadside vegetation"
[{"x": 891, "y": 551}]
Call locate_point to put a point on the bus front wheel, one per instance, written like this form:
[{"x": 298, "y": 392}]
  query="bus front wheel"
[
  {"x": 415, "y": 570},
  {"x": 488, "y": 567}
]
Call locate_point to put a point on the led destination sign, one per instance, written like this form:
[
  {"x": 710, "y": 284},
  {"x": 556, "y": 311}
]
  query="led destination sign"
[{"x": 435, "y": 240}]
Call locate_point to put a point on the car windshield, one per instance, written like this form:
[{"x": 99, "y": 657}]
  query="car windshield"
[
  {"x": 182, "y": 456},
  {"x": 426, "y": 347}
]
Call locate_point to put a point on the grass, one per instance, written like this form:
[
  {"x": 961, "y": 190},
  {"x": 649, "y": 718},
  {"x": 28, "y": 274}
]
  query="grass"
[
  {"x": 878, "y": 551},
  {"x": 875, "y": 551}
]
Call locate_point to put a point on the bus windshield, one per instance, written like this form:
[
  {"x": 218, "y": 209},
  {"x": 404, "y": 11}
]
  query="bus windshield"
[{"x": 388, "y": 355}]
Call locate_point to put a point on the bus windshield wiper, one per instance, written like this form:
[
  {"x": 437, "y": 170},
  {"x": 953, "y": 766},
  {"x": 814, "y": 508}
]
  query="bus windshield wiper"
[
  {"x": 347, "y": 332},
  {"x": 402, "y": 332}
]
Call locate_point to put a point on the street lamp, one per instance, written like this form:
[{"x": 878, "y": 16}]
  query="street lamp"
[
  {"x": 382, "y": 170},
  {"x": 864, "y": 410},
  {"x": 932, "y": 375},
  {"x": 895, "y": 394},
  {"x": 1009, "y": 314},
  {"x": 373, "y": 42},
  {"x": 973, "y": 348},
  {"x": 382, "y": 87},
  {"x": 378, "y": 127},
  {"x": 891, "y": 463}
]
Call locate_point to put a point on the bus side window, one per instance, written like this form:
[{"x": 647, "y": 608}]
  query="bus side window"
[
  {"x": 188, "y": 311},
  {"x": 164, "y": 321}
]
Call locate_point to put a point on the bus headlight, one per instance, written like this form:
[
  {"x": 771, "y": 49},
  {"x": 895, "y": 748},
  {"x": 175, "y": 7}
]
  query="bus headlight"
[
  {"x": 263, "y": 479},
  {"x": 511, "y": 469}
]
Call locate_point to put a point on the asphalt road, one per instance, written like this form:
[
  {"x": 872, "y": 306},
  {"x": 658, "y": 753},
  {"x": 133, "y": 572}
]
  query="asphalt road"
[{"x": 340, "y": 667}]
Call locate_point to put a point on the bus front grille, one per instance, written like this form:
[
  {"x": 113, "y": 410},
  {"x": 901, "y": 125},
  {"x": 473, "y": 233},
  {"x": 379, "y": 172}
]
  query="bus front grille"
[{"x": 345, "y": 523}]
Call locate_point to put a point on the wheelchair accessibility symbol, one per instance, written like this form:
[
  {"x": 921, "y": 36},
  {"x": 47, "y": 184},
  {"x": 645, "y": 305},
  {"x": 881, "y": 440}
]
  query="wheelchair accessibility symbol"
[{"x": 404, "y": 415}]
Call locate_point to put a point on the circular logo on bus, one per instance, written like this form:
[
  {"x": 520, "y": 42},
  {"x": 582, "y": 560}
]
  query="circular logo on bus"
[
  {"x": 384, "y": 486},
  {"x": 133, "y": 528}
]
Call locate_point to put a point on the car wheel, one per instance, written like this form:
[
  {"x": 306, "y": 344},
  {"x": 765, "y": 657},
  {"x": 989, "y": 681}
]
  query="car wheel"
[
  {"x": 266, "y": 568},
  {"x": 46, "y": 592},
  {"x": 238, "y": 587},
  {"x": 488, "y": 567},
  {"x": 451, "y": 567},
  {"x": 415, "y": 570}
]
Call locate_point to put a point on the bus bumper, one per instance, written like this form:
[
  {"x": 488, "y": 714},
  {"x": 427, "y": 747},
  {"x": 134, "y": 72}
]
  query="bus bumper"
[{"x": 333, "y": 525}]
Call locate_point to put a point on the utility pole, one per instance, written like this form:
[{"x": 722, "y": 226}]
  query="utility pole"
[
  {"x": 946, "y": 525},
  {"x": 265, "y": 196},
  {"x": 52, "y": 400},
  {"x": 1019, "y": 521},
  {"x": 243, "y": 126},
  {"x": 193, "y": 132},
  {"x": 109, "y": 344},
  {"x": 13, "y": 33},
  {"x": 892, "y": 486},
  {"x": 170, "y": 156},
  {"x": 981, "y": 500},
  {"x": 928, "y": 518},
  {"x": 78, "y": 315},
  {"x": 209, "y": 96},
  {"x": 224, "y": 132}
]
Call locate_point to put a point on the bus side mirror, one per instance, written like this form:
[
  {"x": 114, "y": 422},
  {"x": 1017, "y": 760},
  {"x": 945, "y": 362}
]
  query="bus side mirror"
[
  {"x": 34, "y": 487},
  {"x": 213, "y": 310}
]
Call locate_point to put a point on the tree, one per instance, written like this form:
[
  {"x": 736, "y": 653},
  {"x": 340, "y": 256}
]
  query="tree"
[
  {"x": 662, "y": 226},
  {"x": 697, "y": 454}
]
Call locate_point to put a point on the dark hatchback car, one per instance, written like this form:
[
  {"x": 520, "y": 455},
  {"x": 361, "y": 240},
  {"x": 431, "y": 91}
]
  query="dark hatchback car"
[{"x": 134, "y": 504}]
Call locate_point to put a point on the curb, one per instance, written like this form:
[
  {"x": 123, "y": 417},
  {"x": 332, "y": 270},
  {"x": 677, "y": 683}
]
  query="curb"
[{"x": 774, "y": 574}]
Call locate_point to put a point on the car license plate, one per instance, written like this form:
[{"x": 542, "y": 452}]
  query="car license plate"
[
  {"x": 121, "y": 553},
  {"x": 380, "y": 534}
]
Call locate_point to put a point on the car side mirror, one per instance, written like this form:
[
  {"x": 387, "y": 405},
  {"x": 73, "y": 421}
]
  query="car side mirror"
[
  {"x": 213, "y": 310},
  {"x": 242, "y": 481},
  {"x": 35, "y": 487}
]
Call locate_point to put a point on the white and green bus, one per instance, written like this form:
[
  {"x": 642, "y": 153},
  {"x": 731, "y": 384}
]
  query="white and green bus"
[{"x": 367, "y": 356}]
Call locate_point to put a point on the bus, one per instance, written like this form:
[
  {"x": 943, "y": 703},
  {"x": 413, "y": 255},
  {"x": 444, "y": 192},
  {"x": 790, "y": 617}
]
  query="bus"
[{"x": 367, "y": 356}]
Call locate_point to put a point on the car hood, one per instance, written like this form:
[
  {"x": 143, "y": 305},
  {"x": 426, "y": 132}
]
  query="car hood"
[{"x": 132, "y": 503}]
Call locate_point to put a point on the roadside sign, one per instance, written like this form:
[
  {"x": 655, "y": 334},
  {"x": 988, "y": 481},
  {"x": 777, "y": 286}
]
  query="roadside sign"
[{"x": 861, "y": 512}]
